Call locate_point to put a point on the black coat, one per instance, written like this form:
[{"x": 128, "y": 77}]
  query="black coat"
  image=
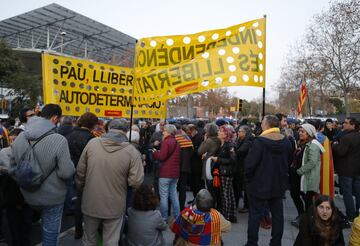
[
  {"x": 310, "y": 236},
  {"x": 10, "y": 194},
  {"x": 266, "y": 166},
  {"x": 226, "y": 159},
  {"x": 196, "y": 162},
  {"x": 185, "y": 159},
  {"x": 347, "y": 154},
  {"x": 65, "y": 130},
  {"x": 242, "y": 150},
  {"x": 77, "y": 141},
  {"x": 145, "y": 135}
]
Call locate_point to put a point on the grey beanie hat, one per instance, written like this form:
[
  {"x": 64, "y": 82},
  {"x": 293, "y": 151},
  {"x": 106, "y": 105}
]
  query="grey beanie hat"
[
  {"x": 310, "y": 129},
  {"x": 119, "y": 124}
]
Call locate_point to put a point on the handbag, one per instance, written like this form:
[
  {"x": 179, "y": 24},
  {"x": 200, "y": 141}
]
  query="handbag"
[{"x": 209, "y": 165}]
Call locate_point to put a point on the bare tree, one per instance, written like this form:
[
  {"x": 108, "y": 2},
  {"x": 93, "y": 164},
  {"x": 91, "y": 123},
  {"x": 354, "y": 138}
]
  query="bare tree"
[{"x": 334, "y": 42}]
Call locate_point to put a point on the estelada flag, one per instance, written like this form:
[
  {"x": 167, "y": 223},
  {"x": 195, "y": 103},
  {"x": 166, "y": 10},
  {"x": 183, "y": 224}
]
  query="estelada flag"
[
  {"x": 326, "y": 167},
  {"x": 302, "y": 96}
]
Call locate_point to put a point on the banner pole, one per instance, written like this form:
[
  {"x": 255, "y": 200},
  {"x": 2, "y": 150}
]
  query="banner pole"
[
  {"x": 131, "y": 120},
  {"x": 166, "y": 110},
  {"x": 308, "y": 97},
  {"x": 263, "y": 95},
  {"x": 263, "y": 104}
]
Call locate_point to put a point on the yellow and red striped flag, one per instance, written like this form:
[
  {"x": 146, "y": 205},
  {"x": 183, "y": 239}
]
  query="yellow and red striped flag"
[
  {"x": 302, "y": 96},
  {"x": 326, "y": 169}
]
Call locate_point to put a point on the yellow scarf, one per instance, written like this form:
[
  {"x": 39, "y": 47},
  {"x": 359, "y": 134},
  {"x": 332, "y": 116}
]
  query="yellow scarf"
[{"x": 271, "y": 130}]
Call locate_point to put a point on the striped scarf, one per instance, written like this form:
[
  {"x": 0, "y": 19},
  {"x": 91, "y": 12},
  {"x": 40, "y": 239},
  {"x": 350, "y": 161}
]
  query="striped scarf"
[
  {"x": 184, "y": 140},
  {"x": 197, "y": 227}
]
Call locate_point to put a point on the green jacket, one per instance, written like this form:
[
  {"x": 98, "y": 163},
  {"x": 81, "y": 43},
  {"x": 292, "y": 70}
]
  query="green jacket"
[{"x": 310, "y": 169}]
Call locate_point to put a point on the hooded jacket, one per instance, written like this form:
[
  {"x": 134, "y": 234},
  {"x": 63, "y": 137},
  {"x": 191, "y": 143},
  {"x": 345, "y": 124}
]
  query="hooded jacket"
[
  {"x": 107, "y": 166},
  {"x": 266, "y": 166},
  {"x": 53, "y": 155}
]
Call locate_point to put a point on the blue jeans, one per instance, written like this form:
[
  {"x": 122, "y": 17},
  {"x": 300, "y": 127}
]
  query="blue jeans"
[
  {"x": 167, "y": 188},
  {"x": 350, "y": 186},
  {"x": 51, "y": 224}
]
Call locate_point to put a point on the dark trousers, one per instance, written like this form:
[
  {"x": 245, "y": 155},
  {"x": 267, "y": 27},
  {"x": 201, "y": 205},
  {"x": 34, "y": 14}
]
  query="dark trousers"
[
  {"x": 238, "y": 191},
  {"x": 181, "y": 187},
  {"x": 256, "y": 213},
  {"x": 215, "y": 193},
  {"x": 296, "y": 195},
  {"x": 196, "y": 183},
  {"x": 1, "y": 233},
  {"x": 237, "y": 188},
  {"x": 309, "y": 199},
  {"x": 19, "y": 221},
  {"x": 69, "y": 206},
  {"x": 78, "y": 214}
]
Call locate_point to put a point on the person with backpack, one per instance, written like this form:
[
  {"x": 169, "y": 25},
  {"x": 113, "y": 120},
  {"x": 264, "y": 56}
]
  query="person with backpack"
[
  {"x": 19, "y": 214},
  {"x": 43, "y": 153}
]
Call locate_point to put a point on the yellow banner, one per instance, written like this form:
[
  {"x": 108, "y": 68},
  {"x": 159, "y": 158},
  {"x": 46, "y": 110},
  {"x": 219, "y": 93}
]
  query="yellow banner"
[
  {"x": 80, "y": 86},
  {"x": 172, "y": 66}
]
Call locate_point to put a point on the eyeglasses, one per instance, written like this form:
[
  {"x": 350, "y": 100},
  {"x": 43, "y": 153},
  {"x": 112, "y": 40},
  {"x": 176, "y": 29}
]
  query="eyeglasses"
[{"x": 30, "y": 115}]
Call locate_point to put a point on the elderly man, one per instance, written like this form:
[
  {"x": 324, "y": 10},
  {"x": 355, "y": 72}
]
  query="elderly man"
[
  {"x": 200, "y": 224},
  {"x": 266, "y": 174},
  {"x": 107, "y": 166},
  {"x": 169, "y": 155}
]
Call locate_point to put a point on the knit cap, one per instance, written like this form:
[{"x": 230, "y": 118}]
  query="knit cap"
[{"x": 310, "y": 129}]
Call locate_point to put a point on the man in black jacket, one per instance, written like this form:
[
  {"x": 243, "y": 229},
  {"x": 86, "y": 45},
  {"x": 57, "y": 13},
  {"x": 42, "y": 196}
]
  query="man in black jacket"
[
  {"x": 347, "y": 165},
  {"x": 266, "y": 174}
]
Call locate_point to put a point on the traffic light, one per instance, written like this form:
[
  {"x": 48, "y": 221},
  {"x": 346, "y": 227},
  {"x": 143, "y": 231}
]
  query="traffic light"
[
  {"x": 3, "y": 103},
  {"x": 240, "y": 101}
]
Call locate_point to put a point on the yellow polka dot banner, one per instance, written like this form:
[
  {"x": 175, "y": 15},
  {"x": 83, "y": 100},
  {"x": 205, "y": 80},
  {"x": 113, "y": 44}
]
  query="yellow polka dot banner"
[
  {"x": 80, "y": 86},
  {"x": 171, "y": 66}
]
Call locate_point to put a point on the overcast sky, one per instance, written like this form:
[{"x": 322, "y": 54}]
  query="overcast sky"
[{"x": 287, "y": 21}]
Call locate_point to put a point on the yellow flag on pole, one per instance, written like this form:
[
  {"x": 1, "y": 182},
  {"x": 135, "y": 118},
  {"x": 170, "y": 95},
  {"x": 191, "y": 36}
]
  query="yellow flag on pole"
[{"x": 171, "y": 66}]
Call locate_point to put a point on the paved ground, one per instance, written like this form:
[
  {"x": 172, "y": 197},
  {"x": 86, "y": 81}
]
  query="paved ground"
[{"x": 237, "y": 236}]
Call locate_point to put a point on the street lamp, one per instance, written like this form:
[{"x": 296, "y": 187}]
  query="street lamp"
[{"x": 62, "y": 41}]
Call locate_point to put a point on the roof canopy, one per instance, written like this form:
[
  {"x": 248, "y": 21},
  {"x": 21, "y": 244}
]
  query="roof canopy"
[{"x": 61, "y": 30}]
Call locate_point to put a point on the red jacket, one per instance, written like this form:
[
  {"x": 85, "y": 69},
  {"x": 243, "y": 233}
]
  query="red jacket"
[{"x": 169, "y": 154}]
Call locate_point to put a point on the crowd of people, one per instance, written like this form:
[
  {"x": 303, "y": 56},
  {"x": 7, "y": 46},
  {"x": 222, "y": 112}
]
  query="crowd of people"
[{"x": 128, "y": 182}]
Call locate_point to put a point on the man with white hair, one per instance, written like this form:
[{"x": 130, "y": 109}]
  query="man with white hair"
[
  {"x": 107, "y": 166},
  {"x": 169, "y": 155}
]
